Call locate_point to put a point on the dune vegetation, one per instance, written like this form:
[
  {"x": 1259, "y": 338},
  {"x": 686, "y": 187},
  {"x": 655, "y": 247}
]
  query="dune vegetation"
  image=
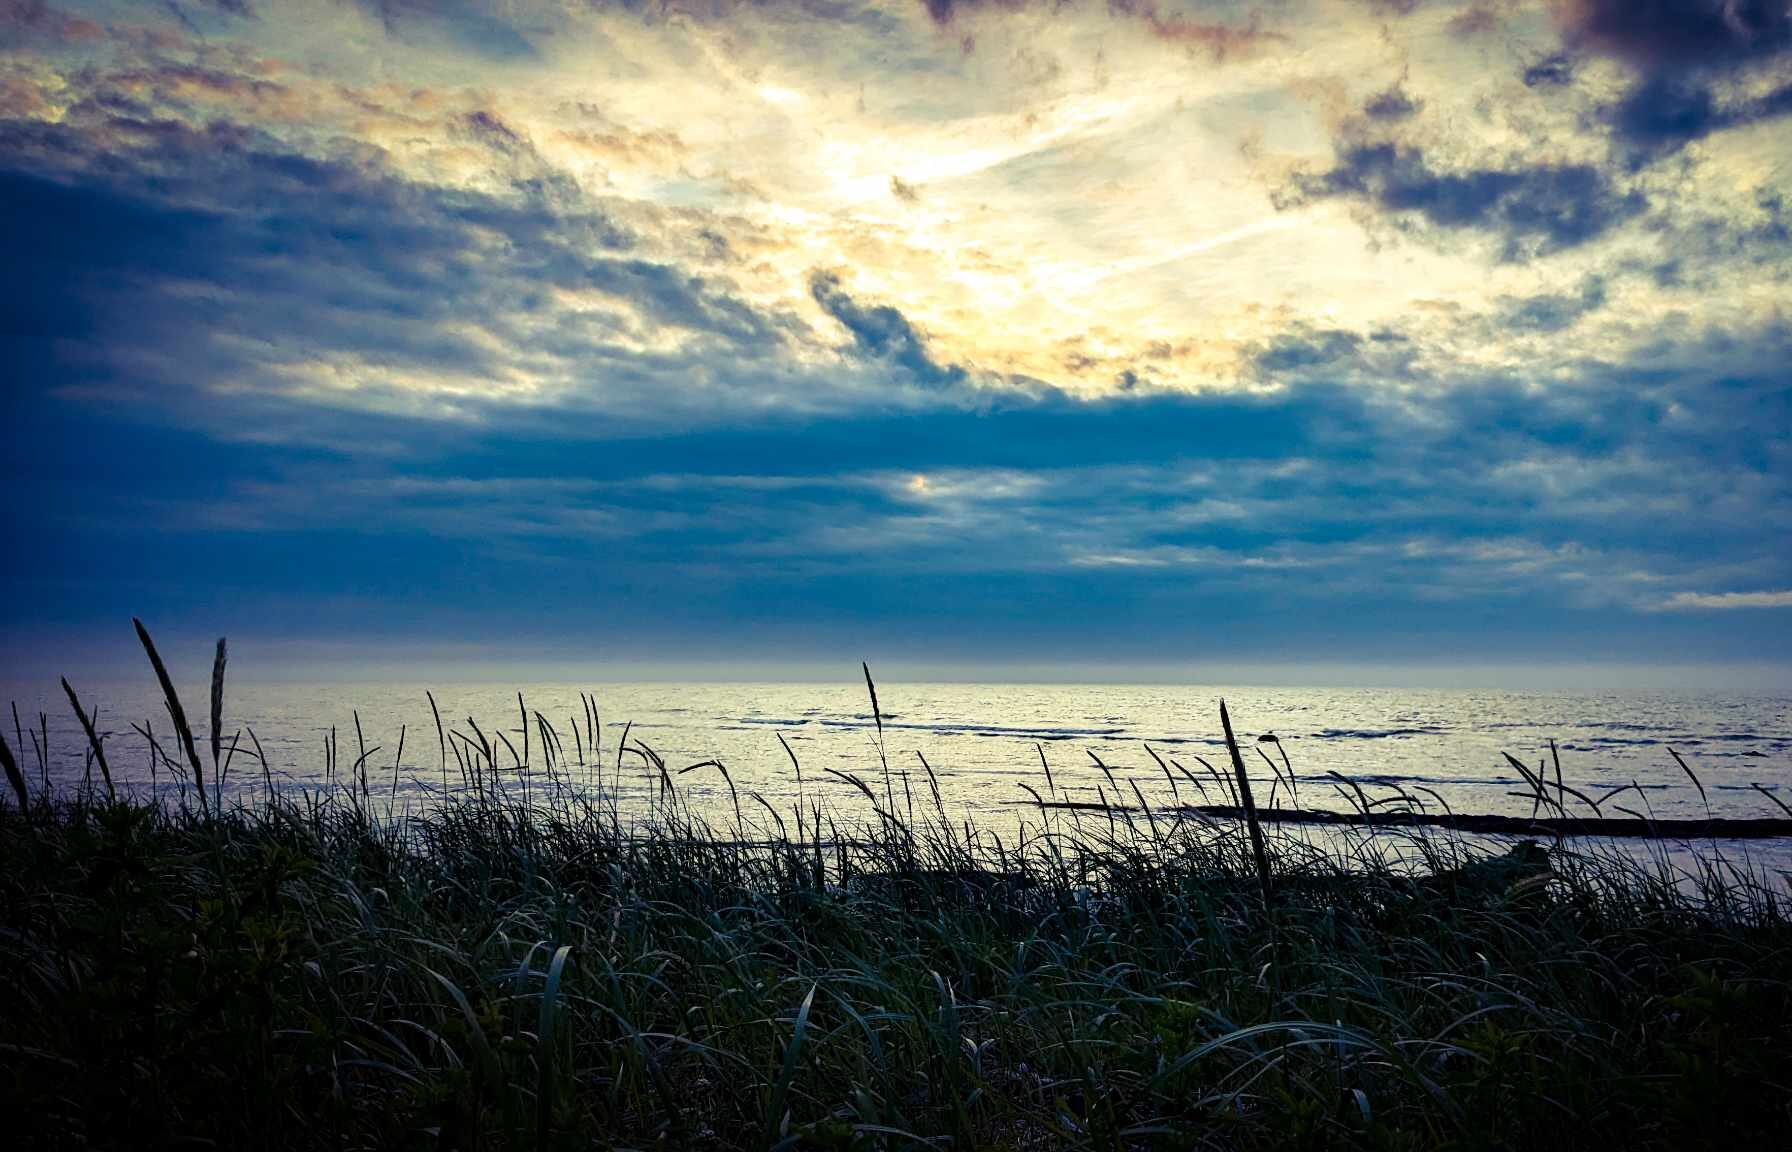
[{"x": 527, "y": 963}]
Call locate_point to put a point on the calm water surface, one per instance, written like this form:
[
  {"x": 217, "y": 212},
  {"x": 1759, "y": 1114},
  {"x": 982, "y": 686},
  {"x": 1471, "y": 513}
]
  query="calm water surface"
[{"x": 984, "y": 740}]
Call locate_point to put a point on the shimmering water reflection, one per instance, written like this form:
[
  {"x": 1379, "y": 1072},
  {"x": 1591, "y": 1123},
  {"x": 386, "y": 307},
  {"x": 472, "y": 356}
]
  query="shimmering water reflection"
[{"x": 984, "y": 740}]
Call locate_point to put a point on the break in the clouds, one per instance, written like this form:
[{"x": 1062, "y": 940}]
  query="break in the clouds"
[{"x": 1117, "y": 330}]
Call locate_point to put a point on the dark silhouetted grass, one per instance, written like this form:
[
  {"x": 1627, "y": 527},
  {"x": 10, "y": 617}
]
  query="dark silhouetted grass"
[{"x": 322, "y": 970}]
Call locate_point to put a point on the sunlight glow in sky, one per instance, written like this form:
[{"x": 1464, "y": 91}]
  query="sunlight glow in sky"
[{"x": 954, "y": 330}]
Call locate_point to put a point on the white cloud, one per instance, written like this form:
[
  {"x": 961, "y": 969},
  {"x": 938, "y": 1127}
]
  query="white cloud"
[{"x": 1699, "y": 600}]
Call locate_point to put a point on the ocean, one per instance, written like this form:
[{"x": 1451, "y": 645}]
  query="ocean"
[{"x": 983, "y": 742}]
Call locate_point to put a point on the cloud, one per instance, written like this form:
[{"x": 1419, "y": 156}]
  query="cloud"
[
  {"x": 1660, "y": 115},
  {"x": 1392, "y": 7},
  {"x": 1529, "y": 209},
  {"x": 1306, "y": 348},
  {"x": 1552, "y": 312},
  {"x": 1216, "y": 39},
  {"x": 169, "y": 264},
  {"x": 487, "y": 29},
  {"x": 1390, "y": 104},
  {"x": 1483, "y": 508},
  {"x": 1728, "y": 600},
  {"x": 491, "y": 131},
  {"x": 944, "y": 12},
  {"x": 1219, "y": 41},
  {"x": 1395, "y": 167},
  {"x": 1671, "y": 34},
  {"x": 1311, "y": 496},
  {"x": 882, "y": 333},
  {"x": 1682, "y": 52},
  {"x": 412, "y": 331},
  {"x": 1553, "y": 71},
  {"x": 29, "y": 21},
  {"x": 236, "y": 8}
]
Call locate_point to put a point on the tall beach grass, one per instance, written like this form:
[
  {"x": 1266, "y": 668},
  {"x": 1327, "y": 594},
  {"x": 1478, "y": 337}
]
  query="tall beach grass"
[{"x": 526, "y": 962}]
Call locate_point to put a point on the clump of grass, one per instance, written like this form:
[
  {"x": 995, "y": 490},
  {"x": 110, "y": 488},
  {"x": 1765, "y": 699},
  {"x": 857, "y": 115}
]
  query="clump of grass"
[{"x": 511, "y": 970}]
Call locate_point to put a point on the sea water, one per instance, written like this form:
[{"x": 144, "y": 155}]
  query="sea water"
[{"x": 983, "y": 742}]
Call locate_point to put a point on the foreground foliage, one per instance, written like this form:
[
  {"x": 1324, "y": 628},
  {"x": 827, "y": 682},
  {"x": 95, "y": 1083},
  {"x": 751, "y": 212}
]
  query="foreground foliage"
[{"x": 308, "y": 974}]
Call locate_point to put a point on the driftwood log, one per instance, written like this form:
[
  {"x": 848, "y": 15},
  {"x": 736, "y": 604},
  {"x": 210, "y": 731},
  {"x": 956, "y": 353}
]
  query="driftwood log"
[{"x": 1721, "y": 828}]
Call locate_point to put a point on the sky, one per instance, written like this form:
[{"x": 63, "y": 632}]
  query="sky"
[{"x": 1078, "y": 338}]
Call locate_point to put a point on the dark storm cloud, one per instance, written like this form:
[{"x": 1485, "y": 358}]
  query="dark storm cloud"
[
  {"x": 1248, "y": 509},
  {"x": 1672, "y": 34},
  {"x": 882, "y": 333},
  {"x": 1681, "y": 52},
  {"x": 1662, "y": 114},
  {"x": 1528, "y": 209},
  {"x": 153, "y": 260}
]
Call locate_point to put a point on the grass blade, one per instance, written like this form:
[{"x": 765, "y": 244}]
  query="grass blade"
[
  {"x": 545, "y": 1082},
  {"x": 1258, "y": 851},
  {"x": 218, "y": 713},
  {"x": 93, "y": 739},
  {"x": 15, "y": 777},
  {"x": 775, "y": 1116},
  {"x": 176, "y": 713}
]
